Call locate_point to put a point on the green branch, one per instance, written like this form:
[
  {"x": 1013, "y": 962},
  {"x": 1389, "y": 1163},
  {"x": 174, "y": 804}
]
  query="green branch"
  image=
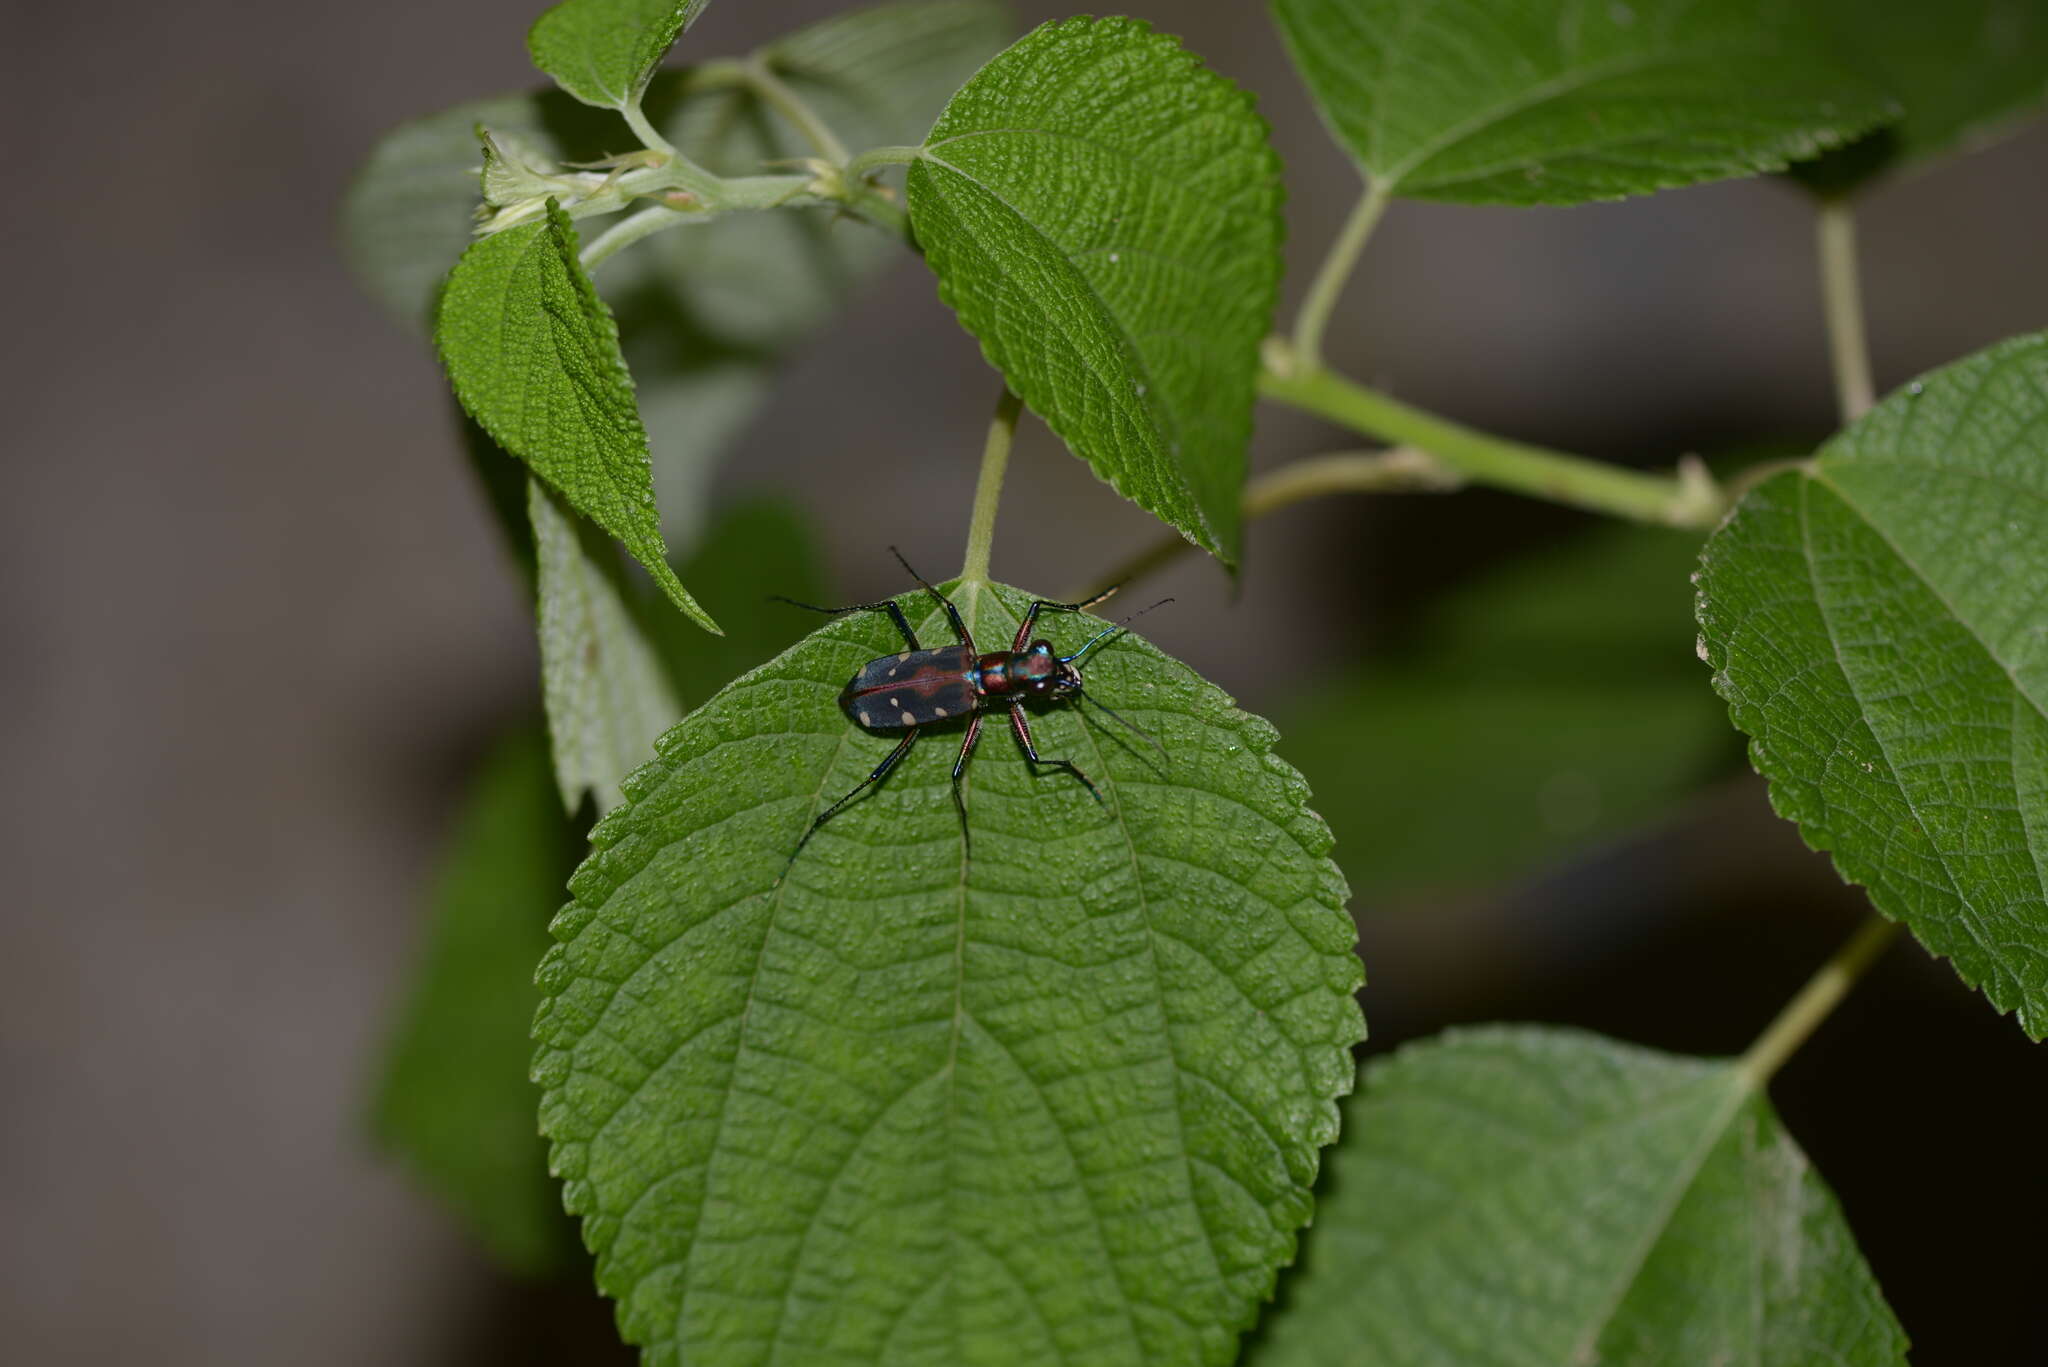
[
  {"x": 763, "y": 81},
  {"x": 1401, "y": 470},
  {"x": 1690, "y": 499}
]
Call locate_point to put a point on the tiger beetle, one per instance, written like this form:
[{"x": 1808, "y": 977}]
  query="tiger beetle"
[{"x": 917, "y": 687}]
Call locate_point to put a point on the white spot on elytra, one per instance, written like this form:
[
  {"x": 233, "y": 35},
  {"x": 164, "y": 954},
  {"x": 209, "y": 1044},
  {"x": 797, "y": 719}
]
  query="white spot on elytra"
[
  {"x": 866, "y": 720},
  {"x": 895, "y": 702},
  {"x": 892, "y": 673},
  {"x": 901, "y": 659},
  {"x": 909, "y": 720},
  {"x": 940, "y": 710}
]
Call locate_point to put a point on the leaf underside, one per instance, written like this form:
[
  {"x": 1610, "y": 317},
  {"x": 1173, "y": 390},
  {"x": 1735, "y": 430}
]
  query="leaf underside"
[
  {"x": 1061, "y": 1101},
  {"x": 1555, "y": 703},
  {"x": 1568, "y": 101},
  {"x": 454, "y": 1101},
  {"x": 1529, "y": 1197},
  {"x": 1104, "y": 215},
  {"x": 1878, "y": 624}
]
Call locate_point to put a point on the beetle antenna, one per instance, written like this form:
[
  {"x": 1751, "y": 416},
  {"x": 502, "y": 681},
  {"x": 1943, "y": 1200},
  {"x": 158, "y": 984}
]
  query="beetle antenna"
[
  {"x": 1126, "y": 722},
  {"x": 1096, "y": 639}
]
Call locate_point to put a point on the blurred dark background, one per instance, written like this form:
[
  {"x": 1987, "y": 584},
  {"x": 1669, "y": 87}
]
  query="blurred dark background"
[{"x": 258, "y": 627}]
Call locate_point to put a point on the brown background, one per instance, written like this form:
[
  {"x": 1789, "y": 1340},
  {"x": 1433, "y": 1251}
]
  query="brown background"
[{"x": 256, "y": 624}]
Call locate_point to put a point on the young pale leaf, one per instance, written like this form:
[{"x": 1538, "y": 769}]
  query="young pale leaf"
[
  {"x": 1524, "y": 1197},
  {"x": 533, "y": 355},
  {"x": 607, "y": 694},
  {"x": 1104, "y": 215},
  {"x": 1963, "y": 71},
  {"x": 1556, "y": 703},
  {"x": 1059, "y": 1100},
  {"x": 1566, "y": 101},
  {"x": 454, "y": 1100},
  {"x": 605, "y": 51},
  {"x": 1877, "y": 624}
]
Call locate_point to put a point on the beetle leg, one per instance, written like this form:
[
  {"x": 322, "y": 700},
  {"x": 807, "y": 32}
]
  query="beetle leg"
[
  {"x": 881, "y": 772},
  {"x": 952, "y": 613},
  {"x": 967, "y": 743},
  {"x": 1041, "y": 605},
  {"x": 1022, "y": 728},
  {"x": 888, "y": 605}
]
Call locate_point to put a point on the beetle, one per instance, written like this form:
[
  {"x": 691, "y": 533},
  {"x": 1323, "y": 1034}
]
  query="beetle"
[{"x": 921, "y": 686}]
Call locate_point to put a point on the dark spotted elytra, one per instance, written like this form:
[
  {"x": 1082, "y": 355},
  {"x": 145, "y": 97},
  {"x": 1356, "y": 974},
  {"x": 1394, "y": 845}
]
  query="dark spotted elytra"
[{"x": 916, "y": 688}]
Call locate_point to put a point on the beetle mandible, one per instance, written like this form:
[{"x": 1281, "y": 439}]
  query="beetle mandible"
[{"x": 923, "y": 685}]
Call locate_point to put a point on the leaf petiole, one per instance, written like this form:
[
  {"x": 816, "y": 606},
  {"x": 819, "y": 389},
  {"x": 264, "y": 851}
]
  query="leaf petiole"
[
  {"x": 1335, "y": 271},
  {"x": 1842, "y": 303},
  {"x": 988, "y": 487},
  {"x": 1822, "y": 993}
]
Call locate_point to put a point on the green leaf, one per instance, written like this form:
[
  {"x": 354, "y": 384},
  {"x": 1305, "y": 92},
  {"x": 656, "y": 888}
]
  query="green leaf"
[
  {"x": 1104, "y": 215},
  {"x": 1061, "y": 1099},
  {"x": 1565, "y": 101},
  {"x": 605, "y": 51},
  {"x": 1514, "y": 1195},
  {"x": 607, "y": 693},
  {"x": 533, "y": 355},
  {"x": 1877, "y": 624},
  {"x": 703, "y": 312},
  {"x": 1555, "y": 703},
  {"x": 454, "y": 1101},
  {"x": 1964, "y": 71}
]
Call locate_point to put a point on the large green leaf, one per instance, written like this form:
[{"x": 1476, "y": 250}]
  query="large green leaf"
[
  {"x": 605, "y": 51},
  {"x": 534, "y": 357},
  {"x": 1104, "y": 215},
  {"x": 1554, "y": 703},
  {"x": 1565, "y": 101},
  {"x": 1063, "y": 1099},
  {"x": 705, "y": 310},
  {"x": 1878, "y": 624},
  {"x": 1523, "y": 1197},
  {"x": 607, "y": 694},
  {"x": 1963, "y": 71},
  {"x": 454, "y": 1100}
]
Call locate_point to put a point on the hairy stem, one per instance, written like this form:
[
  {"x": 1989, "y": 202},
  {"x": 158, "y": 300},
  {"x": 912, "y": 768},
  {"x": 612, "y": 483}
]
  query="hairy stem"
[
  {"x": 988, "y": 489},
  {"x": 1689, "y": 500},
  {"x": 637, "y": 120},
  {"x": 630, "y": 229},
  {"x": 762, "y": 79},
  {"x": 1842, "y": 303},
  {"x": 1823, "y": 991},
  {"x": 1401, "y": 470},
  {"x": 1335, "y": 271}
]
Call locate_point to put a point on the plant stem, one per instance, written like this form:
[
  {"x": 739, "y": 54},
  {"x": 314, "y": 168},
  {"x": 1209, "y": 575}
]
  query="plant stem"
[
  {"x": 1401, "y": 470},
  {"x": 786, "y": 102},
  {"x": 630, "y": 229},
  {"x": 1842, "y": 302},
  {"x": 875, "y": 158},
  {"x": 1334, "y": 273},
  {"x": 636, "y": 119},
  {"x": 1823, "y": 991},
  {"x": 1689, "y": 500},
  {"x": 988, "y": 489}
]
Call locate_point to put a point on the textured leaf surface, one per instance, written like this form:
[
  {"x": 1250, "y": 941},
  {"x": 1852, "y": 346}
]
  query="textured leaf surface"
[
  {"x": 703, "y": 311},
  {"x": 534, "y": 357},
  {"x": 1565, "y": 101},
  {"x": 1962, "y": 71},
  {"x": 1104, "y": 215},
  {"x": 1522, "y": 1197},
  {"x": 607, "y": 694},
  {"x": 1059, "y": 1102},
  {"x": 1555, "y": 703},
  {"x": 1879, "y": 626},
  {"x": 604, "y": 51},
  {"x": 455, "y": 1101}
]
